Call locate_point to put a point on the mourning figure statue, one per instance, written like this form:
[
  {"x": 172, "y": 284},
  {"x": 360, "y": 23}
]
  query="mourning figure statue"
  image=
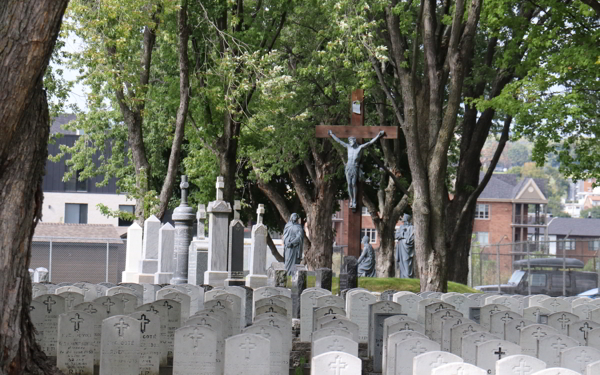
[
  {"x": 293, "y": 240},
  {"x": 405, "y": 248},
  {"x": 353, "y": 171},
  {"x": 366, "y": 262}
]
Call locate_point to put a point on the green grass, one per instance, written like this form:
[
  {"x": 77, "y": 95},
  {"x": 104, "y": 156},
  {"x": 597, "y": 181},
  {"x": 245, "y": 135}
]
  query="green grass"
[{"x": 379, "y": 284}]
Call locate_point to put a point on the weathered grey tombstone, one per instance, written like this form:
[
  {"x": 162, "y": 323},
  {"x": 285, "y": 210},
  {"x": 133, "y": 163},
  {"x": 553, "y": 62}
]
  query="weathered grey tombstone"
[
  {"x": 216, "y": 325},
  {"x": 460, "y": 303},
  {"x": 519, "y": 364},
  {"x": 584, "y": 311},
  {"x": 594, "y": 338},
  {"x": 334, "y": 344},
  {"x": 388, "y": 295},
  {"x": 378, "y": 312},
  {"x": 257, "y": 276},
  {"x": 460, "y": 331},
  {"x": 560, "y": 321},
  {"x": 197, "y": 261},
  {"x": 437, "y": 320},
  {"x": 150, "y": 349},
  {"x": 469, "y": 345},
  {"x": 513, "y": 329},
  {"x": 38, "y": 289},
  {"x": 169, "y": 314},
  {"x": 37, "y": 313},
  {"x": 183, "y": 216},
  {"x": 338, "y": 363},
  {"x": 323, "y": 278},
  {"x": 282, "y": 324},
  {"x": 98, "y": 312},
  {"x": 499, "y": 320},
  {"x": 225, "y": 307},
  {"x": 75, "y": 346},
  {"x": 409, "y": 302},
  {"x": 324, "y": 332},
  {"x": 400, "y": 354},
  {"x": 248, "y": 354},
  {"x": 68, "y": 288},
  {"x": 130, "y": 302},
  {"x": 136, "y": 289},
  {"x": 236, "y": 248},
  {"x": 357, "y": 309},
  {"x": 580, "y": 330},
  {"x": 183, "y": 299},
  {"x": 195, "y": 351},
  {"x": 330, "y": 301},
  {"x": 351, "y": 267},
  {"x": 532, "y": 334},
  {"x": 299, "y": 279},
  {"x": 343, "y": 324},
  {"x": 556, "y": 304},
  {"x": 578, "y": 358},
  {"x": 308, "y": 301},
  {"x": 535, "y": 312},
  {"x": 166, "y": 253},
  {"x": 593, "y": 368},
  {"x": 321, "y": 312},
  {"x": 54, "y": 306},
  {"x": 277, "y": 275},
  {"x": 112, "y": 306},
  {"x": 218, "y": 228},
  {"x": 149, "y": 292},
  {"x": 421, "y": 309},
  {"x": 40, "y": 275},
  {"x": 426, "y": 362},
  {"x": 239, "y": 315},
  {"x": 120, "y": 347},
  {"x": 71, "y": 299},
  {"x": 487, "y": 353},
  {"x": 458, "y": 369},
  {"x": 90, "y": 291},
  {"x": 149, "y": 262},
  {"x": 446, "y": 331},
  {"x": 549, "y": 348},
  {"x": 487, "y": 311},
  {"x": 280, "y": 363},
  {"x": 267, "y": 292}
]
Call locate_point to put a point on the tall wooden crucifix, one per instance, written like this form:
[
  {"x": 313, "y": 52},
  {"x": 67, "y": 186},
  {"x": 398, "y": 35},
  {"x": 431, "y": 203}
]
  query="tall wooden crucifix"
[{"x": 357, "y": 131}]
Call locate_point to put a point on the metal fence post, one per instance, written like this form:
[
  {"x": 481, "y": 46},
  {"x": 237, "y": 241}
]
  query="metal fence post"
[
  {"x": 498, "y": 264},
  {"x": 50, "y": 262},
  {"x": 107, "y": 252},
  {"x": 528, "y": 273}
]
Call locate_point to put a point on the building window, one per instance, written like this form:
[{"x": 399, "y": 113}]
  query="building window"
[
  {"x": 594, "y": 245},
  {"x": 482, "y": 237},
  {"x": 482, "y": 211},
  {"x": 365, "y": 211},
  {"x": 566, "y": 245},
  {"x": 76, "y": 213},
  {"x": 127, "y": 208},
  {"x": 372, "y": 233},
  {"x": 74, "y": 184}
]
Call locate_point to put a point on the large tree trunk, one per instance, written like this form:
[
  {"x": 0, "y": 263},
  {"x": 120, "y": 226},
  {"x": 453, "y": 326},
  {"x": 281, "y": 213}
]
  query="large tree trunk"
[
  {"x": 320, "y": 252},
  {"x": 28, "y": 31}
]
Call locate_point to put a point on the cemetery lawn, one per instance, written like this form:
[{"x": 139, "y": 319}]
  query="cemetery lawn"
[{"x": 377, "y": 284}]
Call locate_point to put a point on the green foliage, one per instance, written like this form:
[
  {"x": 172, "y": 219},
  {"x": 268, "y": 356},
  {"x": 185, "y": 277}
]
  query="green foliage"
[{"x": 594, "y": 212}]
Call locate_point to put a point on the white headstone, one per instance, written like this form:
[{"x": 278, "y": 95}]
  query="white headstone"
[
  {"x": 308, "y": 301},
  {"x": 248, "y": 354},
  {"x": 195, "y": 351},
  {"x": 458, "y": 369},
  {"x": 426, "y": 362},
  {"x": 519, "y": 365},
  {"x": 491, "y": 351},
  {"x": 133, "y": 254},
  {"x": 166, "y": 250},
  {"x": 549, "y": 348},
  {"x": 75, "y": 346},
  {"x": 335, "y": 363},
  {"x": 357, "y": 308},
  {"x": 120, "y": 347},
  {"x": 578, "y": 358}
]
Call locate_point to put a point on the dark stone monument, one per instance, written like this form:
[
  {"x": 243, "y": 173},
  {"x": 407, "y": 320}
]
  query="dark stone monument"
[
  {"x": 352, "y": 271},
  {"x": 277, "y": 275},
  {"x": 388, "y": 295},
  {"x": 183, "y": 216},
  {"x": 298, "y": 286},
  {"x": 236, "y": 249},
  {"x": 343, "y": 293},
  {"x": 323, "y": 277},
  {"x": 249, "y": 296}
]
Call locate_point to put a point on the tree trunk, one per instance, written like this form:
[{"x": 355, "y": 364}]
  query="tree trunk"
[
  {"x": 28, "y": 31},
  {"x": 227, "y": 146},
  {"x": 385, "y": 259},
  {"x": 320, "y": 252}
]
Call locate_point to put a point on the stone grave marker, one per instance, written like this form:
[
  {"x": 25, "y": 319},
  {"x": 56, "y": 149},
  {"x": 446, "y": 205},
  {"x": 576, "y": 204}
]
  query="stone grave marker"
[
  {"x": 149, "y": 262},
  {"x": 113, "y": 306},
  {"x": 594, "y": 338},
  {"x": 149, "y": 292},
  {"x": 257, "y": 276},
  {"x": 324, "y": 332},
  {"x": 460, "y": 302},
  {"x": 217, "y": 327},
  {"x": 421, "y": 308},
  {"x": 38, "y": 289},
  {"x": 409, "y": 303},
  {"x": 469, "y": 345},
  {"x": 335, "y": 363},
  {"x": 458, "y": 369},
  {"x": 169, "y": 313},
  {"x": 343, "y": 324},
  {"x": 398, "y": 337},
  {"x": 593, "y": 368},
  {"x": 499, "y": 320},
  {"x": 549, "y": 348},
  {"x": 71, "y": 299},
  {"x": 519, "y": 364},
  {"x": 578, "y": 358},
  {"x": 130, "y": 301},
  {"x": 458, "y": 332},
  {"x": 68, "y": 288},
  {"x": 75, "y": 346},
  {"x": 235, "y": 262},
  {"x": 325, "y": 311},
  {"x": 218, "y": 229},
  {"x": 446, "y": 331},
  {"x": 150, "y": 348},
  {"x": 283, "y": 325},
  {"x": 166, "y": 254},
  {"x": 247, "y": 354},
  {"x": 584, "y": 311},
  {"x": 426, "y": 362},
  {"x": 54, "y": 306},
  {"x": 133, "y": 253},
  {"x": 98, "y": 312},
  {"x": 120, "y": 347},
  {"x": 357, "y": 308},
  {"x": 531, "y": 335},
  {"x": 323, "y": 278},
  {"x": 224, "y": 307},
  {"x": 535, "y": 313},
  {"x": 280, "y": 363},
  {"x": 182, "y": 298},
  {"x": 334, "y": 344},
  {"x": 299, "y": 282},
  {"x": 580, "y": 330},
  {"x": 513, "y": 329},
  {"x": 560, "y": 321},
  {"x": 268, "y": 291},
  {"x": 37, "y": 313},
  {"x": 308, "y": 301},
  {"x": 331, "y": 301},
  {"x": 378, "y": 312},
  {"x": 400, "y": 354},
  {"x": 288, "y": 304},
  {"x": 487, "y": 311},
  {"x": 90, "y": 291},
  {"x": 556, "y": 304},
  {"x": 437, "y": 320},
  {"x": 195, "y": 351},
  {"x": 487, "y": 353},
  {"x": 235, "y": 302}
]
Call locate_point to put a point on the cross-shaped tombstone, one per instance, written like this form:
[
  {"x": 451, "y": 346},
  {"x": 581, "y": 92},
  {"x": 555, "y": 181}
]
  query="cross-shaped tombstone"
[
  {"x": 247, "y": 346},
  {"x": 499, "y": 353},
  {"x": 357, "y": 131},
  {"x": 143, "y": 321},
  {"x": 76, "y": 320},
  {"x": 220, "y": 187},
  {"x": 259, "y": 212},
  {"x": 121, "y": 327},
  {"x": 201, "y": 217},
  {"x": 337, "y": 365}
]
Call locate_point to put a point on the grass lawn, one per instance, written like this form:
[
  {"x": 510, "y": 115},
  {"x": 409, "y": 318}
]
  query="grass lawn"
[{"x": 375, "y": 284}]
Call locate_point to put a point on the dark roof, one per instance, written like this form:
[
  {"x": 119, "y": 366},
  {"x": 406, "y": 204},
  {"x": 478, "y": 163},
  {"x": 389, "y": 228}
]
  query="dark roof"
[
  {"x": 576, "y": 227},
  {"x": 508, "y": 186},
  {"x": 62, "y": 120},
  {"x": 88, "y": 233},
  {"x": 549, "y": 262}
]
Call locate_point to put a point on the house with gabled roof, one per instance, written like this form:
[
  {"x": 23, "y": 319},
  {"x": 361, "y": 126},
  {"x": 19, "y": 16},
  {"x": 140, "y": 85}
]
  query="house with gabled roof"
[{"x": 574, "y": 237}]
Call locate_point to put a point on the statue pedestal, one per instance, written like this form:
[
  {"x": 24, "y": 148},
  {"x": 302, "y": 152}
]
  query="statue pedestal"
[{"x": 256, "y": 281}]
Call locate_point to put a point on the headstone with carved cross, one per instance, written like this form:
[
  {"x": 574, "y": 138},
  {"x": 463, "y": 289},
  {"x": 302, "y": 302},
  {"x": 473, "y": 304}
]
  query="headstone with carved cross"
[
  {"x": 458, "y": 369},
  {"x": 399, "y": 354},
  {"x": 487, "y": 353},
  {"x": 150, "y": 350},
  {"x": 356, "y": 130},
  {"x": 198, "y": 257},
  {"x": 334, "y": 344},
  {"x": 458, "y": 332},
  {"x": 98, "y": 313},
  {"x": 308, "y": 301},
  {"x": 357, "y": 308},
  {"x": 235, "y": 251},
  {"x": 336, "y": 363},
  {"x": 53, "y": 306},
  {"x": 75, "y": 345},
  {"x": 280, "y": 363},
  {"x": 218, "y": 236},
  {"x": 247, "y": 354},
  {"x": 470, "y": 342},
  {"x": 426, "y": 362},
  {"x": 120, "y": 347},
  {"x": 195, "y": 350},
  {"x": 532, "y": 334},
  {"x": 549, "y": 348},
  {"x": 578, "y": 358},
  {"x": 258, "y": 252},
  {"x": 520, "y": 365},
  {"x": 378, "y": 312}
]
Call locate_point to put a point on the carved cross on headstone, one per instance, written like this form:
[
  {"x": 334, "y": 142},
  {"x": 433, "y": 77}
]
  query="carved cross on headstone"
[
  {"x": 259, "y": 212},
  {"x": 201, "y": 217},
  {"x": 247, "y": 346},
  {"x": 499, "y": 353},
  {"x": 76, "y": 321},
  {"x": 337, "y": 365},
  {"x": 585, "y": 329},
  {"x": 143, "y": 321},
  {"x": 108, "y": 303},
  {"x": 90, "y": 309},
  {"x": 563, "y": 321},
  {"x": 356, "y": 130},
  {"x": 121, "y": 327},
  {"x": 522, "y": 369},
  {"x": 49, "y": 302},
  {"x": 336, "y": 346}
]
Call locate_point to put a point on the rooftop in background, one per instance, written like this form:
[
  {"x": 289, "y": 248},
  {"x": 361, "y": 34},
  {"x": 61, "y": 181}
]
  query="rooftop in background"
[
  {"x": 60, "y": 121},
  {"x": 86, "y": 233},
  {"x": 509, "y": 187},
  {"x": 575, "y": 227}
]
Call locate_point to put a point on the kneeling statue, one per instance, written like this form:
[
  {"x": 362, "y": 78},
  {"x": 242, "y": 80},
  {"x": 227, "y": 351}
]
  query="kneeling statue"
[{"x": 366, "y": 262}]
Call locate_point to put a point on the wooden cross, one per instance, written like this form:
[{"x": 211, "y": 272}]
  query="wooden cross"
[{"x": 357, "y": 130}]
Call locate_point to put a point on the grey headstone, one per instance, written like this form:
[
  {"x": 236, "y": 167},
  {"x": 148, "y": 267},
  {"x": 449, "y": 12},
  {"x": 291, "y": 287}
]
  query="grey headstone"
[
  {"x": 150, "y": 349},
  {"x": 183, "y": 216},
  {"x": 298, "y": 286},
  {"x": 120, "y": 347},
  {"x": 195, "y": 351},
  {"x": 247, "y": 354},
  {"x": 75, "y": 345},
  {"x": 166, "y": 252},
  {"x": 277, "y": 275},
  {"x": 323, "y": 278},
  {"x": 54, "y": 306}
]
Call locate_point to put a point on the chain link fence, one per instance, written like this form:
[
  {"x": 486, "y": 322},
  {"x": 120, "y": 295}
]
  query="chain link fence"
[
  {"x": 493, "y": 264},
  {"x": 94, "y": 260}
]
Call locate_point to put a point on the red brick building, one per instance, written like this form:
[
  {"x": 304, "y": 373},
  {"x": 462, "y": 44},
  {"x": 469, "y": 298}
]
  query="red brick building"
[
  {"x": 576, "y": 238},
  {"x": 510, "y": 210}
]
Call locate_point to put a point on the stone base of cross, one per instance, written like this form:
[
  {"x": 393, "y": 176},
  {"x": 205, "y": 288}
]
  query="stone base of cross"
[{"x": 356, "y": 130}]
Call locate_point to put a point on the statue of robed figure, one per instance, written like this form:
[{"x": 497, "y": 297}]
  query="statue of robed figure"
[
  {"x": 405, "y": 248},
  {"x": 366, "y": 262},
  {"x": 353, "y": 171},
  {"x": 293, "y": 240}
]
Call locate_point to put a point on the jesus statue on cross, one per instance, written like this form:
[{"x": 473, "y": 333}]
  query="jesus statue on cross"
[{"x": 353, "y": 171}]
